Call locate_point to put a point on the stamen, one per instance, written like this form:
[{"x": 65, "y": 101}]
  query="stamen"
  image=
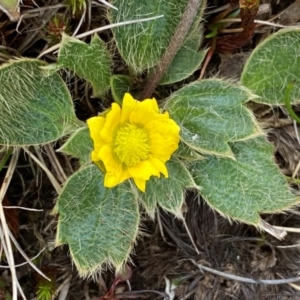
[{"x": 131, "y": 144}]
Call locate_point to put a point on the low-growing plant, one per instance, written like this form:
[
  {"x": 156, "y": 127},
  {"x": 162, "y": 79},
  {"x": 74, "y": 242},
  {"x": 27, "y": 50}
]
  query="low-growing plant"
[{"x": 138, "y": 155}]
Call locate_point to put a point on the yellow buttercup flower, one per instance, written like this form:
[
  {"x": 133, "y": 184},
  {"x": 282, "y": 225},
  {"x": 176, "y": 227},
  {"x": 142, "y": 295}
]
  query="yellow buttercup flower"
[{"x": 134, "y": 141}]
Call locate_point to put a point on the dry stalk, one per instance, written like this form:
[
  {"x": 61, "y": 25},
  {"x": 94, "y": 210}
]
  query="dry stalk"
[{"x": 5, "y": 241}]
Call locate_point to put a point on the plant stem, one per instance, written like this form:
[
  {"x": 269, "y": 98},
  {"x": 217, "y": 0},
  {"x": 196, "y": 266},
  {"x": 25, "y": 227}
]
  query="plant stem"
[
  {"x": 209, "y": 55},
  {"x": 175, "y": 44},
  {"x": 287, "y": 102}
]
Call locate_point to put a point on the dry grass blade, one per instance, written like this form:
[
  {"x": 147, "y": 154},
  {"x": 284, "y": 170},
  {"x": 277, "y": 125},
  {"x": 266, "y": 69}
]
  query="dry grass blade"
[
  {"x": 63, "y": 289},
  {"x": 26, "y": 257},
  {"x": 295, "y": 286},
  {"x": 82, "y": 35},
  {"x": 26, "y": 262},
  {"x": 245, "y": 279},
  {"x": 80, "y": 21},
  {"x": 61, "y": 175},
  {"x": 20, "y": 207},
  {"x": 6, "y": 240},
  {"x": 276, "y": 231},
  {"x": 288, "y": 229},
  {"x": 15, "y": 281},
  {"x": 108, "y": 4},
  {"x": 190, "y": 236},
  {"x": 52, "y": 179}
]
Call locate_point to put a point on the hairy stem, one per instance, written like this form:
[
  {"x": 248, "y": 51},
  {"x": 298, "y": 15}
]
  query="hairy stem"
[{"x": 175, "y": 44}]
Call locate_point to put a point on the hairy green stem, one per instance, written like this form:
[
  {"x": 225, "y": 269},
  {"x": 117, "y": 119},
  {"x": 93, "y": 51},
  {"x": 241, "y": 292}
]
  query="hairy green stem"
[
  {"x": 175, "y": 44},
  {"x": 287, "y": 102}
]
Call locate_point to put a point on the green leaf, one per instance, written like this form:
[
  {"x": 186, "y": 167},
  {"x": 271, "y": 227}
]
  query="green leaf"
[
  {"x": 168, "y": 192},
  {"x": 34, "y": 108},
  {"x": 187, "y": 60},
  {"x": 120, "y": 84},
  {"x": 91, "y": 62},
  {"x": 100, "y": 225},
  {"x": 273, "y": 65},
  {"x": 141, "y": 45},
  {"x": 79, "y": 145},
  {"x": 241, "y": 189},
  {"x": 187, "y": 153},
  {"x": 211, "y": 114}
]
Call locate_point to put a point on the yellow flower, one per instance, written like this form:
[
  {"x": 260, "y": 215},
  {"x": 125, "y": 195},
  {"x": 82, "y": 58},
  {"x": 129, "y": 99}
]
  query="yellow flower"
[{"x": 134, "y": 141}]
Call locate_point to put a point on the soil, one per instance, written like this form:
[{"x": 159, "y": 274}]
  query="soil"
[{"x": 164, "y": 252}]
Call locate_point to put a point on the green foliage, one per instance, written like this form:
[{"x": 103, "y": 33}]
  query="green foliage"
[
  {"x": 222, "y": 154},
  {"x": 120, "y": 85},
  {"x": 243, "y": 188},
  {"x": 211, "y": 114},
  {"x": 35, "y": 108},
  {"x": 79, "y": 145},
  {"x": 187, "y": 60},
  {"x": 91, "y": 62},
  {"x": 45, "y": 290},
  {"x": 187, "y": 153},
  {"x": 4, "y": 290},
  {"x": 169, "y": 192},
  {"x": 100, "y": 225},
  {"x": 76, "y": 6},
  {"x": 273, "y": 65},
  {"x": 287, "y": 102},
  {"x": 140, "y": 45}
]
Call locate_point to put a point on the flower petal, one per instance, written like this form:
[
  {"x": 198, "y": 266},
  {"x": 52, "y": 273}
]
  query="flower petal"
[
  {"x": 111, "y": 180},
  {"x": 128, "y": 106},
  {"x": 164, "y": 138},
  {"x": 159, "y": 165},
  {"x": 143, "y": 170},
  {"x": 124, "y": 175},
  {"x": 95, "y": 125},
  {"x": 140, "y": 183},
  {"x": 94, "y": 155},
  {"x": 112, "y": 166},
  {"x": 100, "y": 165},
  {"x": 146, "y": 111},
  {"x": 112, "y": 121}
]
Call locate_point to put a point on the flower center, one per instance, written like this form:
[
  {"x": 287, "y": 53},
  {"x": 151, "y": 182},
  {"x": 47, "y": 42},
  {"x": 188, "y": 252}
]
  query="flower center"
[{"x": 131, "y": 144}]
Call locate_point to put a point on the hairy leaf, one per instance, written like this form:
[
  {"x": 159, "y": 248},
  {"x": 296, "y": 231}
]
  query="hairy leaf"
[
  {"x": 141, "y": 45},
  {"x": 211, "y": 114},
  {"x": 187, "y": 60},
  {"x": 79, "y": 145},
  {"x": 187, "y": 153},
  {"x": 273, "y": 65},
  {"x": 91, "y": 62},
  {"x": 100, "y": 225},
  {"x": 35, "y": 108},
  {"x": 120, "y": 84},
  {"x": 168, "y": 192},
  {"x": 241, "y": 189}
]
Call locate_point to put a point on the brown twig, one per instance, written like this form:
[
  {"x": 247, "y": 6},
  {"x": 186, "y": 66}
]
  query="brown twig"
[{"x": 175, "y": 43}]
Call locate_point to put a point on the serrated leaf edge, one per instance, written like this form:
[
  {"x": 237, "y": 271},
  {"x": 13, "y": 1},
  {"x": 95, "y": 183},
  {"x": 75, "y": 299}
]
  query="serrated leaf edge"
[
  {"x": 108, "y": 263},
  {"x": 62, "y": 150}
]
